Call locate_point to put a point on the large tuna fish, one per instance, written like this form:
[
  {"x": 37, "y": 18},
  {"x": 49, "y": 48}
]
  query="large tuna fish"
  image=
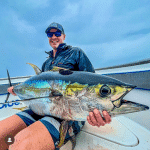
[{"x": 71, "y": 95}]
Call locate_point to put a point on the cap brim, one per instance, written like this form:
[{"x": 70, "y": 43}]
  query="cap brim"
[{"x": 48, "y": 30}]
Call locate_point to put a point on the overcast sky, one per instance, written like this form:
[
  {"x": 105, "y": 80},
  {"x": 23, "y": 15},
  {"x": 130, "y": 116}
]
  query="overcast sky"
[{"x": 111, "y": 32}]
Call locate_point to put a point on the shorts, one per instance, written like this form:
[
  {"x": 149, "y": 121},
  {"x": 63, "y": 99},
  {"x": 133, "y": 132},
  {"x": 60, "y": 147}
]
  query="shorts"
[{"x": 52, "y": 124}]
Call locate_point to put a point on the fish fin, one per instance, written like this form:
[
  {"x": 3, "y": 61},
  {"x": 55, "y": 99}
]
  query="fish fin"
[
  {"x": 55, "y": 93},
  {"x": 63, "y": 131},
  {"x": 65, "y": 72},
  {"x": 73, "y": 141},
  {"x": 36, "y": 69},
  {"x": 10, "y": 84},
  {"x": 55, "y": 68},
  {"x": 22, "y": 108},
  {"x": 62, "y": 71},
  {"x": 9, "y": 78}
]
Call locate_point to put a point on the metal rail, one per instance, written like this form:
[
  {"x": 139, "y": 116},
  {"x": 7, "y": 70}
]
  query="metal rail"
[{"x": 145, "y": 61}]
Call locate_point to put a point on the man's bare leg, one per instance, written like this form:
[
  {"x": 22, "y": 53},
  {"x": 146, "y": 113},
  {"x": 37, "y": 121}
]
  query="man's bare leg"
[
  {"x": 34, "y": 137},
  {"x": 10, "y": 126}
]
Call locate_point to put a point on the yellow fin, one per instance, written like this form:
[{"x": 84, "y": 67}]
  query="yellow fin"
[
  {"x": 55, "y": 68},
  {"x": 22, "y": 108},
  {"x": 36, "y": 69}
]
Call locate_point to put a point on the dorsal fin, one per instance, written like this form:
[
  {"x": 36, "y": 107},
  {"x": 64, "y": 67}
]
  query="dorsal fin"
[{"x": 36, "y": 69}]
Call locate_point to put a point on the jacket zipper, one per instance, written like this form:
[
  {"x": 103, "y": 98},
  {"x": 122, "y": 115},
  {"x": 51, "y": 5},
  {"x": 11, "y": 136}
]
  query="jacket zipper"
[{"x": 53, "y": 60}]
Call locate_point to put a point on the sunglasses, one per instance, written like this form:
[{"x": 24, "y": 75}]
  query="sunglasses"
[{"x": 57, "y": 33}]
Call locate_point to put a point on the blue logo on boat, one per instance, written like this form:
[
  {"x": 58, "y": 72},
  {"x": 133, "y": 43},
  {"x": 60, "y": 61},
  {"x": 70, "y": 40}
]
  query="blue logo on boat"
[{"x": 9, "y": 104}]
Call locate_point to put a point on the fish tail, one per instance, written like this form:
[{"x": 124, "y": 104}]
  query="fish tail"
[{"x": 10, "y": 84}]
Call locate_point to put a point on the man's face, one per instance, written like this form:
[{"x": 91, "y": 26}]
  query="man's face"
[{"x": 55, "y": 41}]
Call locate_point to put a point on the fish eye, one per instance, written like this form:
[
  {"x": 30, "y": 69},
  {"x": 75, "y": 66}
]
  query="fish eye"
[{"x": 104, "y": 91}]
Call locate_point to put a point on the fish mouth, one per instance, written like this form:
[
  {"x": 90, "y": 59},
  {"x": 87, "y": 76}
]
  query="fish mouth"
[
  {"x": 128, "y": 107},
  {"x": 122, "y": 106},
  {"x": 118, "y": 102}
]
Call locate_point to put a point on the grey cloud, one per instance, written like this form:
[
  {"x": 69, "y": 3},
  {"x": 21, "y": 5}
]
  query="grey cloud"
[{"x": 142, "y": 31}]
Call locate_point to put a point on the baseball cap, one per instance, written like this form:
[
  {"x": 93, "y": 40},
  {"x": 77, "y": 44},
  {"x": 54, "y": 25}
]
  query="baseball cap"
[{"x": 55, "y": 25}]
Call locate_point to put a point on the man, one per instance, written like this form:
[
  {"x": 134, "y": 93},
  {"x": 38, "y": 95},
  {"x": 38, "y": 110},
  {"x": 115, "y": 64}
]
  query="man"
[{"x": 36, "y": 132}]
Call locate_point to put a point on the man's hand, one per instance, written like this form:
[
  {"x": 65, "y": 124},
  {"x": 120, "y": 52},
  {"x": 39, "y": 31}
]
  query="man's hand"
[
  {"x": 10, "y": 90},
  {"x": 95, "y": 118}
]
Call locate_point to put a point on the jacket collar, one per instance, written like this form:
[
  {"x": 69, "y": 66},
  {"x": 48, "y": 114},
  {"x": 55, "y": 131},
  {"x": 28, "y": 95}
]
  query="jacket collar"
[{"x": 60, "y": 47}]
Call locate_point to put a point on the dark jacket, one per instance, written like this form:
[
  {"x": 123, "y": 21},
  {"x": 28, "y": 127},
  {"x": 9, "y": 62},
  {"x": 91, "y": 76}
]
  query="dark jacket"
[
  {"x": 72, "y": 58},
  {"x": 69, "y": 57}
]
